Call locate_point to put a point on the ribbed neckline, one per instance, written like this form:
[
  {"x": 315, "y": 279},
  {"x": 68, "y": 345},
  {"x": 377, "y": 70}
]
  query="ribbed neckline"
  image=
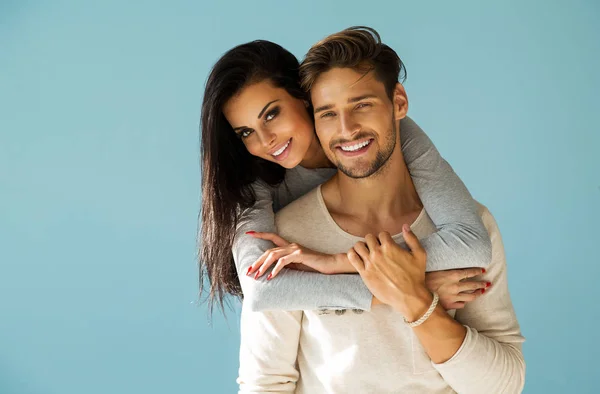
[{"x": 355, "y": 238}]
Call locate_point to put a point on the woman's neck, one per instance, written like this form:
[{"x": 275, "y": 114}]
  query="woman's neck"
[{"x": 315, "y": 156}]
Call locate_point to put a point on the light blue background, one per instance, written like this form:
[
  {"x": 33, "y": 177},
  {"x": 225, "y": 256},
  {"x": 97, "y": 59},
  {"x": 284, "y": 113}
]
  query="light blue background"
[{"x": 99, "y": 174}]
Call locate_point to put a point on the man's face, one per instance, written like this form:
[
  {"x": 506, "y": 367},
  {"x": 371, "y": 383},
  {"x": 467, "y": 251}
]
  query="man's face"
[{"x": 355, "y": 120}]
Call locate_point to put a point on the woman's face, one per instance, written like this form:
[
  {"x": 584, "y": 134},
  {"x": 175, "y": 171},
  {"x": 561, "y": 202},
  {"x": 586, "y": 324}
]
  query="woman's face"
[{"x": 272, "y": 124}]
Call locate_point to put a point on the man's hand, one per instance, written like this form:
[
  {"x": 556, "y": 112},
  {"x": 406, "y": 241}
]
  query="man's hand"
[{"x": 395, "y": 276}]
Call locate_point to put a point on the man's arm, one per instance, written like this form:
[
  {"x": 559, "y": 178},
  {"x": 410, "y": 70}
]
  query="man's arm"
[
  {"x": 490, "y": 358},
  {"x": 484, "y": 354},
  {"x": 268, "y": 351}
]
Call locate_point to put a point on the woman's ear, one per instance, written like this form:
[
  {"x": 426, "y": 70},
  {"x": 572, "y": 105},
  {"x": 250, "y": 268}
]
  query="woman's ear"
[{"x": 400, "y": 102}]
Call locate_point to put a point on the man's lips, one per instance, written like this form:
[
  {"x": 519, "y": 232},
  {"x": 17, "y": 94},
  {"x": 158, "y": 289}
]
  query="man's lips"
[
  {"x": 353, "y": 143},
  {"x": 354, "y": 148}
]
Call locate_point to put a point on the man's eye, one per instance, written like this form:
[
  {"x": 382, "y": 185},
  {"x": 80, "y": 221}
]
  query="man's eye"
[
  {"x": 327, "y": 115},
  {"x": 363, "y": 105}
]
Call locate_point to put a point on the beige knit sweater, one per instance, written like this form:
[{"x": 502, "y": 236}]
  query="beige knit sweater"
[{"x": 354, "y": 351}]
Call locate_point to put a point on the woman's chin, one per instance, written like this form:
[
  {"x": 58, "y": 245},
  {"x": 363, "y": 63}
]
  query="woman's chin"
[{"x": 288, "y": 163}]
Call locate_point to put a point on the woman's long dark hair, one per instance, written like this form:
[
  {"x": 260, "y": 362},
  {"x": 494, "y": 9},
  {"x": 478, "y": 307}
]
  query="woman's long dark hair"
[{"x": 227, "y": 168}]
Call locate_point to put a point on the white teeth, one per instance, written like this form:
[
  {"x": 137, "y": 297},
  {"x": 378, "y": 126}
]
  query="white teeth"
[
  {"x": 356, "y": 147},
  {"x": 280, "y": 151}
]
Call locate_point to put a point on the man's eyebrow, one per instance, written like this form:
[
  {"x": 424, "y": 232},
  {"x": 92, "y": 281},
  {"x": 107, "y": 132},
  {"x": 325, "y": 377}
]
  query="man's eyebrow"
[
  {"x": 350, "y": 100},
  {"x": 323, "y": 108},
  {"x": 265, "y": 108},
  {"x": 359, "y": 98}
]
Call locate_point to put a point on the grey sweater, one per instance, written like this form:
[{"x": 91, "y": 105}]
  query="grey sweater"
[{"x": 461, "y": 239}]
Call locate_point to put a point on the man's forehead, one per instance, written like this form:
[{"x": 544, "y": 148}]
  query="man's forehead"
[{"x": 338, "y": 83}]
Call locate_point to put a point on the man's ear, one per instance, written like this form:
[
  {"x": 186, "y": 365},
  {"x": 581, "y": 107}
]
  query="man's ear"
[{"x": 400, "y": 102}]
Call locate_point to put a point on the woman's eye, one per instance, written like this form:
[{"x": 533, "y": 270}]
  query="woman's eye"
[
  {"x": 245, "y": 133},
  {"x": 363, "y": 105},
  {"x": 271, "y": 114}
]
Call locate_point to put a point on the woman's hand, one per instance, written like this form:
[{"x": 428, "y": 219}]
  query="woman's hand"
[
  {"x": 295, "y": 256},
  {"x": 454, "y": 288}
]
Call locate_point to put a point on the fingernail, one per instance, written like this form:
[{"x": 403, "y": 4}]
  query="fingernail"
[
  {"x": 488, "y": 284},
  {"x": 249, "y": 269},
  {"x": 256, "y": 276},
  {"x": 483, "y": 270},
  {"x": 250, "y": 232},
  {"x": 269, "y": 277},
  {"x": 482, "y": 291},
  {"x": 406, "y": 227}
]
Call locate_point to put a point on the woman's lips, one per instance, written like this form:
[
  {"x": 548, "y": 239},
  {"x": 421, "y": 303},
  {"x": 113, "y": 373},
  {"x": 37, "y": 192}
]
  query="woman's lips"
[{"x": 283, "y": 154}]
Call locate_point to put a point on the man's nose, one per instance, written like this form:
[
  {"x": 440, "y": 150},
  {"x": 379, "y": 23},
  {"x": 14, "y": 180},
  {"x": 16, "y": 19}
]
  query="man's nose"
[{"x": 349, "y": 124}]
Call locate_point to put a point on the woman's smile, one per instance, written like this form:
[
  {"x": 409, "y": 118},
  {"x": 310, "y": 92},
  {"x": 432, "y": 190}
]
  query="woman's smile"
[{"x": 282, "y": 151}]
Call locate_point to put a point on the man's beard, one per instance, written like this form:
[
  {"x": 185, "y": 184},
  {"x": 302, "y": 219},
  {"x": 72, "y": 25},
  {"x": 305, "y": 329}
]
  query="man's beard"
[{"x": 381, "y": 158}]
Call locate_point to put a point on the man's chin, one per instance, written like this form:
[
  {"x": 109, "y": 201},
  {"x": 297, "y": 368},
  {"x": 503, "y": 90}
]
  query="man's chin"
[{"x": 357, "y": 171}]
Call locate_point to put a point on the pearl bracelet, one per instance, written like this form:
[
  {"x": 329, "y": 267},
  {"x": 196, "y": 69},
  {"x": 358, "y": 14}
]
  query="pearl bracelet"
[{"x": 434, "y": 303}]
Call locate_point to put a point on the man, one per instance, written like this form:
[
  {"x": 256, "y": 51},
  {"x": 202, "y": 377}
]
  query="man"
[{"x": 410, "y": 344}]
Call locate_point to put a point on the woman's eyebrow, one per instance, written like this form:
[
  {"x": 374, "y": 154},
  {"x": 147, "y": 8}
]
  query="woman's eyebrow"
[{"x": 265, "y": 108}]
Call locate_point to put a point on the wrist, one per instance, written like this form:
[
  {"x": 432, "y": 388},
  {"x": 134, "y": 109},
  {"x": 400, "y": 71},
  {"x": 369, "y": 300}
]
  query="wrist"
[
  {"x": 341, "y": 264},
  {"x": 414, "y": 305}
]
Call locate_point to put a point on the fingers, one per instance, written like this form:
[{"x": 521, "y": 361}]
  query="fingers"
[
  {"x": 413, "y": 242},
  {"x": 469, "y": 297},
  {"x": 467, "y": 273},
  {"x": 281, "y": 263},
  {"x": 362, "y": 251},
  {"x": 355, "y": 260},
  {"x": 258, "y": 262},
  {"x": 385, "y": 238},
  {"x": 472, "y": 286},
  {"x": 272, "y": 256},
  {"x": 276, "y": 239},
  {"x": 372, "y": 242},
  {"x": 458, "y": 300}
]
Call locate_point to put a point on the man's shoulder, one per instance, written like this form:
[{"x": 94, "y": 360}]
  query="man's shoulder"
[
  {"x": 487, "y": 218},
  {"x": 300, "y": 214},
  {"x": 490, "y": 224}
]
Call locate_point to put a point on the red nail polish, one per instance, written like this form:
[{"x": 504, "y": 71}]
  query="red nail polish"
[
  {"x": 250, "y": 232},
  {"x": 256, "y": 276},
  {"x": 249, "y": 269},
  {"x": 488, "y": 284},
  {"x": 482, "y": 291},
  {"x": 269, "y": 277},
  {"x": 483, "y": 270}
]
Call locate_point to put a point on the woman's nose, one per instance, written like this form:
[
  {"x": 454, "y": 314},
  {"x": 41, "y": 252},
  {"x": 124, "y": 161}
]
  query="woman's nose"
[{"x": 267, "y": 138}]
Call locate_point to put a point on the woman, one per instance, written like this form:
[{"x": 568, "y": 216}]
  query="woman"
[{"x": 260, "y": 152}]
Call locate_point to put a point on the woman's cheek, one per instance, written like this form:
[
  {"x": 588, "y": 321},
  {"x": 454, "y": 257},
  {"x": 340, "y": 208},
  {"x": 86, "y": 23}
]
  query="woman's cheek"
[{"x": 254, "y": 149}]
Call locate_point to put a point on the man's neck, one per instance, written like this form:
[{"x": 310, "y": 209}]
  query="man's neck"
[{"x": 383, "y": 201}]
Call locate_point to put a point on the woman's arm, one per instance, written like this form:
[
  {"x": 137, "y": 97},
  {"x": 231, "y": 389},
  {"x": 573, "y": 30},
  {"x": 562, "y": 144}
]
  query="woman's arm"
[
  {"x": 293, "y": 290},
  {"x": 461, "y": 240}
]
